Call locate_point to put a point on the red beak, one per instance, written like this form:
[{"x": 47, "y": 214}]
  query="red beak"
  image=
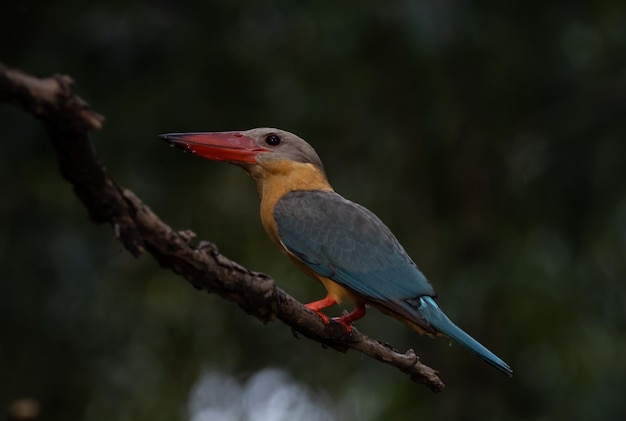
[{"x": 219, "y": 146}]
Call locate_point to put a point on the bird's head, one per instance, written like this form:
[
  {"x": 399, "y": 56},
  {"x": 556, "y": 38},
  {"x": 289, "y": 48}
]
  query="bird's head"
[{"x": 255, "y": 150}]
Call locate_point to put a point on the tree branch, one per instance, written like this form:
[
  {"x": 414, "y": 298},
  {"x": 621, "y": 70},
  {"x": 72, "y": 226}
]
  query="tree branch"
[{"x": 68, "y": 119}]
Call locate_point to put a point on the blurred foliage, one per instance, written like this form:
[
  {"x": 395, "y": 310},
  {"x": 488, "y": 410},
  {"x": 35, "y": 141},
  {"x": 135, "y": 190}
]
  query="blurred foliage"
[{"x": 489, "y": 136}]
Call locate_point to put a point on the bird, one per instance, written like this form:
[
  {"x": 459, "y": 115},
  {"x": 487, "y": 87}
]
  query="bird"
[{"x": 333, "y": 240}]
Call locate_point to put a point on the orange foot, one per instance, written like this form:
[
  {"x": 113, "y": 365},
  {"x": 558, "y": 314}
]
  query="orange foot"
[
  {"x": 318, "y": 306},
  {"x": 347, "y": 319}
]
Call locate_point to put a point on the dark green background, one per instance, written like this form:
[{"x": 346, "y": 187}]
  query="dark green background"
[{"x": 490, "y": 137}]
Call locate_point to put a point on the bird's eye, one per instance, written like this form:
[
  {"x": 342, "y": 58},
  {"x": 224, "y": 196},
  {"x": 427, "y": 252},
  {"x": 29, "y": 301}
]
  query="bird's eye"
[{"x": 272, "y": 140}]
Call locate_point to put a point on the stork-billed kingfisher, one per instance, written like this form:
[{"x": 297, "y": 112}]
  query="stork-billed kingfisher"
[{"x": 338, "y": 242}]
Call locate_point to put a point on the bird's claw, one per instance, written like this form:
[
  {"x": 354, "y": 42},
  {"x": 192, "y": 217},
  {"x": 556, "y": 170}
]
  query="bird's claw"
[
  {"x": 346, "y": 323},
  {"x": 324, "y": 317}
]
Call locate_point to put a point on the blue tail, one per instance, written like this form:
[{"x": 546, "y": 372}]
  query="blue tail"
[{"x": 429, "y": 309}]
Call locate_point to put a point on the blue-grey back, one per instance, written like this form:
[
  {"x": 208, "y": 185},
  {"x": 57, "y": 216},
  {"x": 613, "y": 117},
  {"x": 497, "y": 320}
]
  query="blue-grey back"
[{"x": 347, "y": 243}]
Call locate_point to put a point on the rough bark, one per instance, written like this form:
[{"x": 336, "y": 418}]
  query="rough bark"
[{"x": 68, "y": 120}]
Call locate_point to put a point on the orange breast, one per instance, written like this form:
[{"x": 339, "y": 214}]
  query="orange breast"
[{"x": 273, "y": 182}]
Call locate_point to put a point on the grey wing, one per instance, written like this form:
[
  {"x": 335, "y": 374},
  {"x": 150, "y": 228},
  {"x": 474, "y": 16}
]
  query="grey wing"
[{"x": 347, "y": 243}]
